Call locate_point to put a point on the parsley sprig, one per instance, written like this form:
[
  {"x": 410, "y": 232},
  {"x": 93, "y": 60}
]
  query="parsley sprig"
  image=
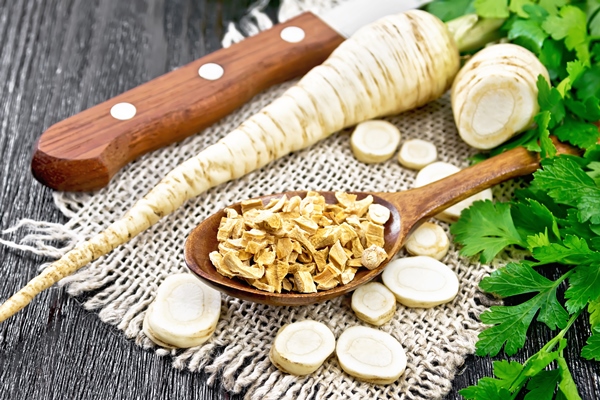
[{"x": 556, "y": 218}]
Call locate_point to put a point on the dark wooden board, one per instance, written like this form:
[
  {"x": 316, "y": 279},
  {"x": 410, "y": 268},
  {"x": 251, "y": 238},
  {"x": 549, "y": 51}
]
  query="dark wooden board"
[{"x": 58, "y": 57}]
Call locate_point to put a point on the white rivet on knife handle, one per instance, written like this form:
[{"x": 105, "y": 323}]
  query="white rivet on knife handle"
[
  {"x": 211, "y": 71},
  {"x": 292, "y": 34},
  {"x": 123, "y": 111}
]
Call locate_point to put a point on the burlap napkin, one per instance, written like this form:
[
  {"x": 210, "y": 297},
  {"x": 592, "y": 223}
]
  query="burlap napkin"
[{"x": 120, "y": 286}]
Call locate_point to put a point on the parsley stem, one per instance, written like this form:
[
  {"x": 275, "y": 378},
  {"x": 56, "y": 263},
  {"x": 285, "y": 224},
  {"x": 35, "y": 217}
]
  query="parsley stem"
[
  {"x": 472, "y": 32},
  {"x": 534, "y": 364},
  {"x": 552, "y": 343}
]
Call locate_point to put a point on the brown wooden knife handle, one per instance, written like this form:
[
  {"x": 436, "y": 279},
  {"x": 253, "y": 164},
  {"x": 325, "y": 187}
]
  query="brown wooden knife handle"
[{"x": 83, "y": 152}]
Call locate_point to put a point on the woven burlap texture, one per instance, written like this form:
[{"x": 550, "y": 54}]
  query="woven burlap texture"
[{"x": 121, "y": 285}]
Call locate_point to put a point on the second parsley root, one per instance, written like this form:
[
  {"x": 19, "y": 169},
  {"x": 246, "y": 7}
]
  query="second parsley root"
[{"x": 494, "y": 96}]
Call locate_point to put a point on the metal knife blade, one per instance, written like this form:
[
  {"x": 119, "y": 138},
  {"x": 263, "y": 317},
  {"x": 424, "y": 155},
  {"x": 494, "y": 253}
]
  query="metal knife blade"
[
  {"x": 83, "y": 152},
  {"x": 352, "y": 15}
]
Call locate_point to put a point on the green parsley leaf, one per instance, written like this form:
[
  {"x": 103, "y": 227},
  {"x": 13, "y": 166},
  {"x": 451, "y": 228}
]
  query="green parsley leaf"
[
  {"x": 567, "y": 385},
  {"x": 550, "y": 100},
  {"x": 511, "y": 322},
  {"x": 573, "y": 250},
  {"x": 570, "y": 225},
  {"x": 507, "y": 372},
  {"x": 595, "y": 242},
  {"x": 568, "y": 184},
  {"x": 596, "y": 52},
  {"x": 527, "y": 139},
  {"x": 594, "y": 311},
  {"x": 487, "y": 228},
  {"x": 591, "y": 350},
  {"x": 580, "y": 134},
  {"x": 492, "y": 8},
  {"x": 486, "y": 389},
  {"x": 588, "y": 110},
  {"x": 447, "y": 10},
  {"x": 538, "y": 240},
  {"x": 514, "y": 279},
  {"x": 490, "y": 388},
  {"x": 552, "y": 58},
  {"x": 540, "y": 360},
  {"x": 552, "y": 6},
  {"x": 531, "y": 193},
  {"x": 594, "y": 171},
  {"x": 574, "y": 70},
  {"x": 516, "y": 6},
  {"x": 542, "y": 385},
  {"x": 592, "y": 153},
  {"x": 570, "y": 25},
  {"x": 584, "y": 285},
  {"x": 529, "y": 30},
  {"x": 594, "y": 23},
  {"x": 510, "y": 327},
  {"x": 532, "y": 217},
  {"x": 548, "y": 149},
  {"x": 588, "y": 83},
  {"x": 535, "y": 12}
]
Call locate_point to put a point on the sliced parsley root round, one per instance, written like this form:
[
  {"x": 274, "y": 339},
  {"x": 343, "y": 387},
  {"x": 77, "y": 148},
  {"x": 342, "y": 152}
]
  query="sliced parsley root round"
[
  {"x": 373, "y": 303},
  {"x": 374, "y": 141},
  {"x": 494, "y": 95},
  {"x": 417, "y": 154},
  {"x": 301, "y": 348},
  {"x": 430, "y": 240},
  {"x": 398, "y": 63},
  {"x": 420, "y": 281},
  {"x": 370, "y": 355},
  {"x": 184, "y": 313}
]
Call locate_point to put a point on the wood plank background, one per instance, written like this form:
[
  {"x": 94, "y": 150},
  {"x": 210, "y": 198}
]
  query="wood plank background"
[{"x": 58, "y": 57}]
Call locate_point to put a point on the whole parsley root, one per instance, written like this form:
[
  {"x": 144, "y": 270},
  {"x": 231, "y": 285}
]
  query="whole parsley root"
[{"x": 398, "y": 63}]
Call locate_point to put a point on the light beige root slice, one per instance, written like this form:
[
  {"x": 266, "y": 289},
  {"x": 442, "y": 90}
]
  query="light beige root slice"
[
  {"x": 420, "y": 281},
  {"x": 494, "y": 95},
  {"x": 370, "y": 355},
  {"x": 300, "y": 348},
  {"x": 184, "y": 312},
  {"x": 398, "y": 63},
  {"x": 373, "y": 303},
  {"x": 430, "y": 240}
]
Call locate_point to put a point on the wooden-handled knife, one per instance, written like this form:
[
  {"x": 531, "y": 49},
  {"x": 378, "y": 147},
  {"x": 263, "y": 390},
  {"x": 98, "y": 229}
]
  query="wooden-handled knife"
[{"x": 83, "y": 152}]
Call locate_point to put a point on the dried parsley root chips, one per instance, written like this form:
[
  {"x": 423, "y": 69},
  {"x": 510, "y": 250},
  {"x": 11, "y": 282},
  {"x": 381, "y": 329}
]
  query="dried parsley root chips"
[{"x": 300, "y": 244}]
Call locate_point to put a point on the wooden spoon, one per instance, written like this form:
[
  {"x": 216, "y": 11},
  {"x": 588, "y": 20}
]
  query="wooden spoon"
[{"x": 408, "y": 210}]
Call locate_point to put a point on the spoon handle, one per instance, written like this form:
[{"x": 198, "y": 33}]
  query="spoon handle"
[{"x": 427, "y": 201}]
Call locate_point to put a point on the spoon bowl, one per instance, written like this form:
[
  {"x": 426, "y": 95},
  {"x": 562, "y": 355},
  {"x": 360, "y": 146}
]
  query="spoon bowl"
[
  {"x": 408, "y": 210},
  {"x": 203, "y": 240}
]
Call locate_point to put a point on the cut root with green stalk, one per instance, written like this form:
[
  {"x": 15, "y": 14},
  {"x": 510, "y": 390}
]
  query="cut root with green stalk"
[
  {"x": 398, "y": 63},
  {"x": 494, "y": 96}
]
